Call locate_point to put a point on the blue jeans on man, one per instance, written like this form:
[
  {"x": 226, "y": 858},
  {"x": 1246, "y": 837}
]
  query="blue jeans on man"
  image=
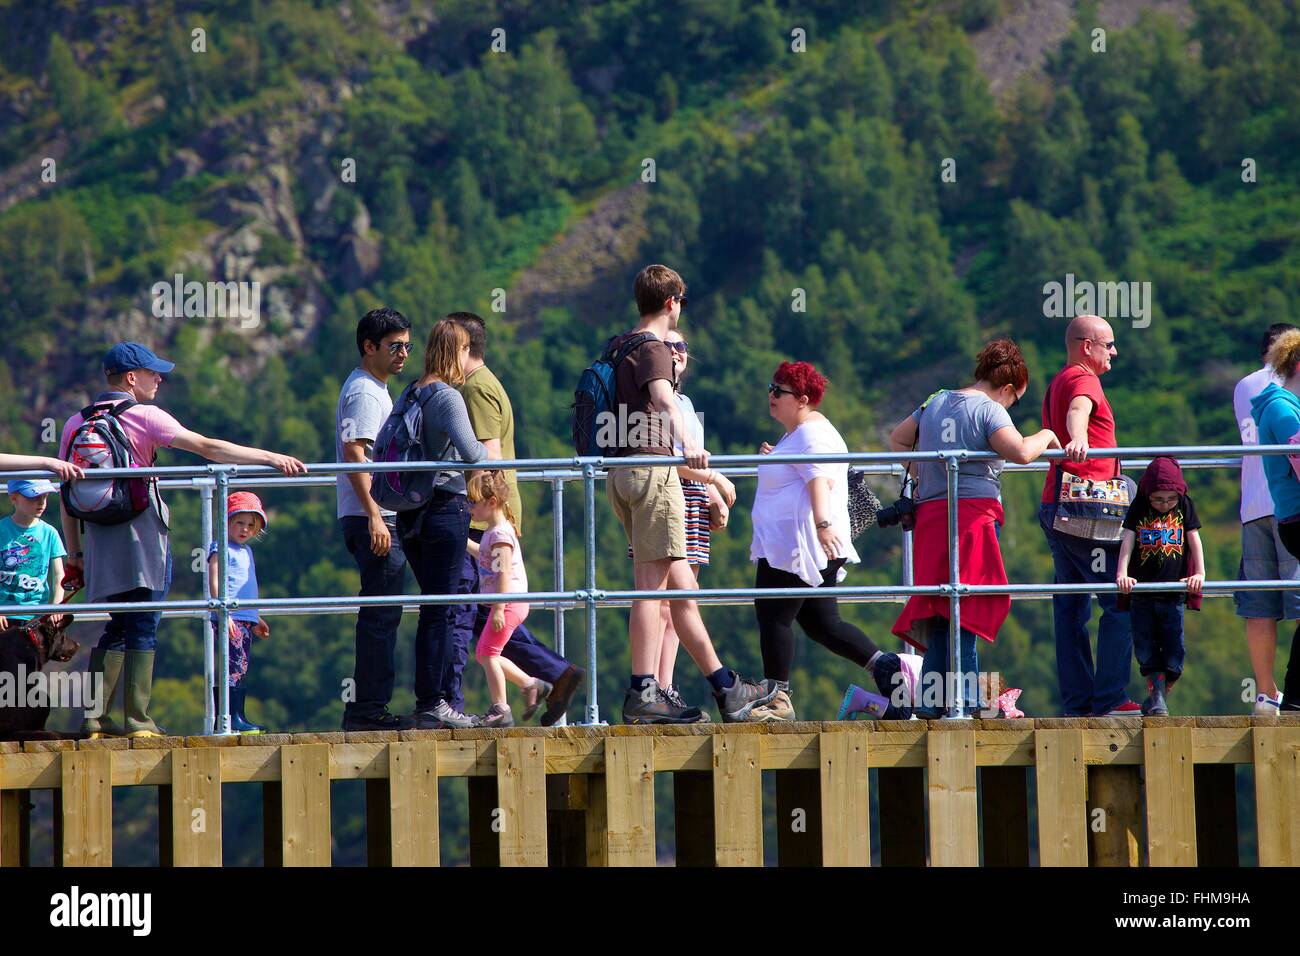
[
  {"x": 1085, "y": 690},
  {"x": 523, "y": 649},
  {"x": 135, "y": 630},
  {"x": 376, "y": 636}
]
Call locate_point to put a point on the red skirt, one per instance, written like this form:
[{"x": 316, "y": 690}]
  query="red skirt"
[{"x": 980, "y": 563}]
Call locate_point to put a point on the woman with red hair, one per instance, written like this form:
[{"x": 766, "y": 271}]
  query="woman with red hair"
[{"x": 801, "y": 536}]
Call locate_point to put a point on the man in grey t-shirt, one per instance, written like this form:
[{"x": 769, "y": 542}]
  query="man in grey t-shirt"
[{"x": 383, "y": 339}]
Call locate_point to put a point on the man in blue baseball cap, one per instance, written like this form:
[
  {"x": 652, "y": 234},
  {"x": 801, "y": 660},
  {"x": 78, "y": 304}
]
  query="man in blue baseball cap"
[{"x": 132, "y": 561}]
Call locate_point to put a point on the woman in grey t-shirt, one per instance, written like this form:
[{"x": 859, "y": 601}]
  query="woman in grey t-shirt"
[{"x": 974, "y": 418}]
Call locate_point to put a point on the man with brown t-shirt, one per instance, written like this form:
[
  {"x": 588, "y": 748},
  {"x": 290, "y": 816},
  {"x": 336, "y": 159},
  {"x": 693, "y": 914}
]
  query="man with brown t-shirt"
[
  {"x": 648, "y": 501},
  {"x": 493, "y": 418}
]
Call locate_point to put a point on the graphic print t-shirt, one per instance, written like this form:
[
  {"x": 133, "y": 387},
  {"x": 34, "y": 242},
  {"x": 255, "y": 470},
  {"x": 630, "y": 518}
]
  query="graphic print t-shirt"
[
  {"x": 1160, "y": 552},
  {"x": 25, "y": 556}
]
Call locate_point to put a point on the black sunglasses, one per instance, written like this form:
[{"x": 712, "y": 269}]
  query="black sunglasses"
[
  {"x": 678, "y": 347},
  {"x": 775, "y": 389},
  {"x": 679, "y": 298}
]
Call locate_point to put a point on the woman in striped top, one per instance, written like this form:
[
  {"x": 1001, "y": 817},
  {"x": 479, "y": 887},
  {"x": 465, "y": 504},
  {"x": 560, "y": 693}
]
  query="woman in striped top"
[{"x": 709, "y": 496}]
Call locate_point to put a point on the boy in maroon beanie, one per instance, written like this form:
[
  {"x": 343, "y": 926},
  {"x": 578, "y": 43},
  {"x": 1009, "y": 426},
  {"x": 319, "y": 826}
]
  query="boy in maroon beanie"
[{"x": 1161, "y": 525}]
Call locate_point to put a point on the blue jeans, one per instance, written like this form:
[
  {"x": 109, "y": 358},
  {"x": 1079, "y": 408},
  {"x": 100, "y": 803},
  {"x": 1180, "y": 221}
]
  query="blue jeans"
[
  {"x": 934, "y": 667},
  {"x": 1158, "y": 636},
  {"x": 1086, "y": 691},
  {"x": 135, "y": 630},
  {"x": 523, "y": 649},
  {"x": 376, "y": 635},
  {"x": 436, "y": 551}
]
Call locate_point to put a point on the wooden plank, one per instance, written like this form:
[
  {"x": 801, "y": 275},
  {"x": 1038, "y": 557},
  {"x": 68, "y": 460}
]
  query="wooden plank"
[
  {"x": 1114, "y": 816},
  {"x": 1277, "y": 793},
  {"x": 413, "y": 795},
  {"x": 87, "y": 808},
  {"x": 1216, "y": 814},
  {"x": 484, "y": 843},
  {"x": 683, "y": 753},
  {"x": 788, "y": 751},
  {"x": 891, "y": 749},
  {"x": 845, "y": 804},
  {"x": 1005, "y": 815},
  {"x": 952, "y": 798},
  {"x": 305, "y": 802},
  {"x": 596, "y": 822},
  {"x": 521, "y": 790},
  {"x": 1012, "y": 747},
  {"x": 737, "y": 800},
  {"x": 195, "y": 817},
  {"x": 379, "y": 809},
  {"x": 1221, "y": 744},
  {"x": 902, "y": 815},
  {"x": 693, "y": 827},
  {"x": 798, "y": 817},
  {"x": 1061, "y": 786},
  {"x": 629, "y": 801},
  {"x": 1170, "y": 795},
  {"x": 15, "y": 828}
]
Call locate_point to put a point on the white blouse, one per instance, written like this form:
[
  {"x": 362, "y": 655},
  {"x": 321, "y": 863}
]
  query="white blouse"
[{"x": 785, "y": 534}]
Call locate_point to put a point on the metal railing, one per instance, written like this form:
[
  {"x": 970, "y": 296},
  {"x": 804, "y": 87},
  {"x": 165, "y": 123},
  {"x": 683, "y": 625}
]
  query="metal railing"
[{"x": 215, "y": 482}]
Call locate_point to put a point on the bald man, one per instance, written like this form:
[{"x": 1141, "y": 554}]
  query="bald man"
[{"x": 1075, "y": 407}]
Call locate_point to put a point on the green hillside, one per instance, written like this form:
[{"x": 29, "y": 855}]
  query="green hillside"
[{"x": 518, "y": 179}]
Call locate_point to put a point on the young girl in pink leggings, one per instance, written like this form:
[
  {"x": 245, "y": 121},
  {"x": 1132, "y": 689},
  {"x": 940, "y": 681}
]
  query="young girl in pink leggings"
[{"x": 501, "y": 571}]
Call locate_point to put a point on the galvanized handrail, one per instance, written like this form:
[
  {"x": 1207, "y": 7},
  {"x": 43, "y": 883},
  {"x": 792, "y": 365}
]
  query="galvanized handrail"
[{"x": 217, "y": 480}]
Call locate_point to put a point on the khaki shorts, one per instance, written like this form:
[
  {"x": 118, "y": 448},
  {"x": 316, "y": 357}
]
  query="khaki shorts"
[{"x": 649, "y": 503}]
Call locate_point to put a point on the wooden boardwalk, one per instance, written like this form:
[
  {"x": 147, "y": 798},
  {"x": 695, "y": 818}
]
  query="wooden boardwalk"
[{"x": 1105, "y": 791}]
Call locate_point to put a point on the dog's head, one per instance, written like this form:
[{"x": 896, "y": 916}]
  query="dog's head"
[{"x": 54, "y": 641}]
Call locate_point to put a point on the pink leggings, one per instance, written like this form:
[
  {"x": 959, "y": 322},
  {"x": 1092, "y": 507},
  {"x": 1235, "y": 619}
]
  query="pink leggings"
[{"x": 490, "y": 642}]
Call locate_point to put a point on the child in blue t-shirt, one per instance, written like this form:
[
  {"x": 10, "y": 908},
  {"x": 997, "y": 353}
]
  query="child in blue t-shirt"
[
  {"x": 31, "y": 552},
  {"x": 246, "y": 520}
]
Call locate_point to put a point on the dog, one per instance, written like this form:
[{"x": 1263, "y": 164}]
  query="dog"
[{"x": 24, "y": 651}]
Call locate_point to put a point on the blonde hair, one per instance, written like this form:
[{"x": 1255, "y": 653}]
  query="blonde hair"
[
  {"x": 486, "y": 485},
  {"x": 442, "y": 353},
  {"x": 1284, "y": 354}
]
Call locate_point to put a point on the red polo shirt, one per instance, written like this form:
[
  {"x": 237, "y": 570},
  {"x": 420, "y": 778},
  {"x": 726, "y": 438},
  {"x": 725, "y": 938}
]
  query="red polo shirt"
[{"x": 1070, "y": 382}]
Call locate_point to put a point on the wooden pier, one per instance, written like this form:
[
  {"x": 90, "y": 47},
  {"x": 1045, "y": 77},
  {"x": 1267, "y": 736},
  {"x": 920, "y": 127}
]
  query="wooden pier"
[{"x": 1109, "y": 792}]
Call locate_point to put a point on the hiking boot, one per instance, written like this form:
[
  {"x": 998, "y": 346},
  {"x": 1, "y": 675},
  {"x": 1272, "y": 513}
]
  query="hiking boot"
[
  {"x": 534, "y": 694},
  {"x": 1155, "y": 705},
  {"x": 109, "y": 664},
  {"x": 892, "y": 684},
  {"x": 675, "y": 698},
  {"x": 139, "y": 689},
  {"x": 443, "y": 716},
  {"x": 778, "y": 708},
  {"x": 737, "y": 701},
  {"x": 498, "y": 715},
  {"x": 650, "y": 705},
  {"x": 381, "y": 721},
  {"x": 559, "y": 699}
]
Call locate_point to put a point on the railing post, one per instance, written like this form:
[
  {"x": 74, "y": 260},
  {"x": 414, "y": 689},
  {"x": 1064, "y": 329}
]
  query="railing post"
[
  {"x": 222, "y": 636},
  {"x": 209, "y": 646},
  {"x": 589, "y": 517},
  {"x": 557, "y": 523},
  {"x": 954, "y": 577}
]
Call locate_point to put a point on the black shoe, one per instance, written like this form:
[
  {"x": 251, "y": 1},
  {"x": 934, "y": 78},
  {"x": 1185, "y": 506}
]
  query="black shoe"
[
  {"x": 651, "y": 705},
  {"x": 381, "y": 721},
  {"x": 742, "y": 696},
  {"x": 889, "y": 677},
  {"x": 561, "y": 696}
]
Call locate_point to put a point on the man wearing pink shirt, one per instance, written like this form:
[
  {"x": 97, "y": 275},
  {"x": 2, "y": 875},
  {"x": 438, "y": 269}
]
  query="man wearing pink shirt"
[{"x": 132, "y": 561}]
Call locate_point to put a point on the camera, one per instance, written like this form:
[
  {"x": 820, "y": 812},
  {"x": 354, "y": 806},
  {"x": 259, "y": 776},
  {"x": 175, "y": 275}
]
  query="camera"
[{"x": 902, "y": 512}]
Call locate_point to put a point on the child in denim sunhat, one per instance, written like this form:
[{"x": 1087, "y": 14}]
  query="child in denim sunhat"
[
  {"x": 1161, "y": 528},
  {"x": 246, "y": 520}
]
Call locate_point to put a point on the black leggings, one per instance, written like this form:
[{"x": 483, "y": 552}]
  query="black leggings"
[
  {"x": 819, "y": 617},
  {"x": 1290, "y": 535}
]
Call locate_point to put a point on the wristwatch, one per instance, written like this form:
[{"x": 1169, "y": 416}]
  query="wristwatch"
[{"x": 823, "y": 524}]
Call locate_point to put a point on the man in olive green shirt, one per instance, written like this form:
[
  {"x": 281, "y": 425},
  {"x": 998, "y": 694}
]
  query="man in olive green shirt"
[{"x": 493, "y": 419}]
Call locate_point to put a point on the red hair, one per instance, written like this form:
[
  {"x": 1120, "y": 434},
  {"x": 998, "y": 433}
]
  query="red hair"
[{"x": 804, "y": 379}]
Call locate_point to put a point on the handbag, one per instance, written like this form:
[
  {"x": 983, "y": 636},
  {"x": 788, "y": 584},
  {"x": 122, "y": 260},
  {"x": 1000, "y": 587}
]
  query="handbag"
[
  {"x": 863, "y": 504},
  {"x": 1093, "y": 508}
]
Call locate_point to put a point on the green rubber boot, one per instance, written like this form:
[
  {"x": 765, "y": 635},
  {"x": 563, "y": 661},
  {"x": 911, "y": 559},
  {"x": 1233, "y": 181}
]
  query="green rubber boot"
[
  {"x": 107, "y": 664},
  {"x": 139, "y": 688}
]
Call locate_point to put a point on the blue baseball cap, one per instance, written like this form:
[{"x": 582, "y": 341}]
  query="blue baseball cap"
[
  {"x": 127, "y": 356},
  {"x": 31, "y": 489}
]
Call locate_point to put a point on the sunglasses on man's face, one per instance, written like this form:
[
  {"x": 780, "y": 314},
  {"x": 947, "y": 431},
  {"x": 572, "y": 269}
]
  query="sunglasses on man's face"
[
  {"x": 775, "y": 389},
  {"x": 679, "y": 298},
  {"x": 400, "y": 348}
]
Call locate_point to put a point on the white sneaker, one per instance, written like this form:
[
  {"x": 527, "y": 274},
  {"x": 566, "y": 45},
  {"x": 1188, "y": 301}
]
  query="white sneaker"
[{"x": 1266, "y": 706}]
